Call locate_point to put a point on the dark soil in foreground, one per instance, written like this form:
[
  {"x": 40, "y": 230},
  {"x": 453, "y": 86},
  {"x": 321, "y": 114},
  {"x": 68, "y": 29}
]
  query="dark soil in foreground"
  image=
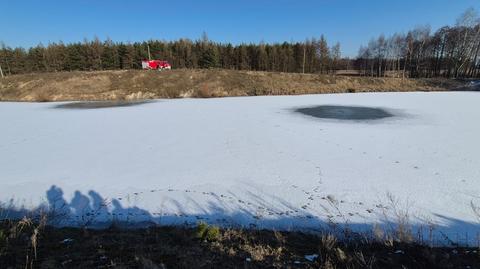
[{"x": 26, "y": 245}]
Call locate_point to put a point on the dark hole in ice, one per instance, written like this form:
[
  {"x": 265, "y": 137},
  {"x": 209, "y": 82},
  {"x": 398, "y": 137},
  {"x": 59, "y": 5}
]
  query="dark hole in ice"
[
  {"x": 99, "y": 104},
  {"x": 345, "y": 112}
]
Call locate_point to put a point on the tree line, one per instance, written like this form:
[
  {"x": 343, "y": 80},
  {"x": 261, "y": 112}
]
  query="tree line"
[
  {"x": 451, "y": 51},
  {"x": 311, "y": 56}
]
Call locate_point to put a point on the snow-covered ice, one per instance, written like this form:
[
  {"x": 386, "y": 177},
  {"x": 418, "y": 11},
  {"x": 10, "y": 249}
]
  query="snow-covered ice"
[{"x": 249, "y": 161}]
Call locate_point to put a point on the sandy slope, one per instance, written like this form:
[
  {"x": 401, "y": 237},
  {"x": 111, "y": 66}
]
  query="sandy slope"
[{"x": 250, "y": 161}]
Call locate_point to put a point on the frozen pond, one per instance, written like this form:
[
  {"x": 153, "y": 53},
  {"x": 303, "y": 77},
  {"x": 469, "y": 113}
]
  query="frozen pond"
[{"x": 287, "y": 162}]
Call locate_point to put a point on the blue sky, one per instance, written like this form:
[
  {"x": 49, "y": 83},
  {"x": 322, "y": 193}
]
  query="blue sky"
[{"x": 350, "y": 22}]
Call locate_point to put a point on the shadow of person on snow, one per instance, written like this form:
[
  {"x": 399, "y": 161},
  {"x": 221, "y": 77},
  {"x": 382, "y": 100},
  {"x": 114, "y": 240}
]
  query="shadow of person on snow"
[{"x": 95, "y": 211}]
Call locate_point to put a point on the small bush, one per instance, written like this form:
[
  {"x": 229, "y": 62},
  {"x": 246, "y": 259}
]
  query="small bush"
[
  {"x": 41, "y": 96},
  {"x": 204, "y": 92},
  {"x": 212, "y": 234},
  {"x": 201, "y": 229},
  {"x": 207, "y": 232}
]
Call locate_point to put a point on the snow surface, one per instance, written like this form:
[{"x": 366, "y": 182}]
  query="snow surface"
[{"x": 250, "y": 161}]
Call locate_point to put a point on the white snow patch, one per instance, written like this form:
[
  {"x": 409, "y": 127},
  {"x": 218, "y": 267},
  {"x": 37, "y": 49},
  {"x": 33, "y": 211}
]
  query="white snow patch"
[{"x": 248, "y": 161}]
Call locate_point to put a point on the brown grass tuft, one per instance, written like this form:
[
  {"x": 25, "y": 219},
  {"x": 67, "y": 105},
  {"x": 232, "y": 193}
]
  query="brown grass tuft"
[{"x": 41, "y": 96}]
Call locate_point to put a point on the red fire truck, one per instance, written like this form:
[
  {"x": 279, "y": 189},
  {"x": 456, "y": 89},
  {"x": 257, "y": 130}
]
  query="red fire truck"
[{"x": 156, "y": 65}]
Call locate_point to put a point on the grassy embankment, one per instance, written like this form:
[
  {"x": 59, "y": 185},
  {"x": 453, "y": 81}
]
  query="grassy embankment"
[{"x": 140, "y": 85}]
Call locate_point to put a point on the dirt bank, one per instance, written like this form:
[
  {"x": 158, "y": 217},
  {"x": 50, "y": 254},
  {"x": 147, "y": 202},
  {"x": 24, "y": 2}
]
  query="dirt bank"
[{"x": 140, "y": 85}]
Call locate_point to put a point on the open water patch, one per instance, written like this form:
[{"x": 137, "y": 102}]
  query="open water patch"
[{"x": 347, "y": 113}]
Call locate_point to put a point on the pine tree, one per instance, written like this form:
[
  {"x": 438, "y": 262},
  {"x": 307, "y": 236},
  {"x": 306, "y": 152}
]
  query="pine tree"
[
  {"x": 110, "y": 56},
  {"x": 209, "y": 58}
]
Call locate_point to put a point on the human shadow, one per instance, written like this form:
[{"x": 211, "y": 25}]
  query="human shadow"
[{"x": 92, "y": 210}]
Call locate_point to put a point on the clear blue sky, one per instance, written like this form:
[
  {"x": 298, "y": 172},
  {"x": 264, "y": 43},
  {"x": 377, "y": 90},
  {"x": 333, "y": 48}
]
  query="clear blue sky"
[{"x": 351, "y": 22}]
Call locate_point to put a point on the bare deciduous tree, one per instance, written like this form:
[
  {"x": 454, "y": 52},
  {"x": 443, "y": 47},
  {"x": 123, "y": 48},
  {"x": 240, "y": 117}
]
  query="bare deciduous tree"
[{"x": 450, "y": 51}]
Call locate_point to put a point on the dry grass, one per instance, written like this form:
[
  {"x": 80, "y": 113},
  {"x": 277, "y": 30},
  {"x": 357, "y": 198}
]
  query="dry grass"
[
  {"x": 41, "y": 96},
  {"x": 25, "y": 244},
  {"x": 139, "y": 84},
  {"x": 25, "y": 231}
]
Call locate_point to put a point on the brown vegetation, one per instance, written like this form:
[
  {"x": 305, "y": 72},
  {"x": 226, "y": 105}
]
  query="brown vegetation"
[
  {"x": 139, "y": 84},
  {"x": 24, "y": 244}
]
